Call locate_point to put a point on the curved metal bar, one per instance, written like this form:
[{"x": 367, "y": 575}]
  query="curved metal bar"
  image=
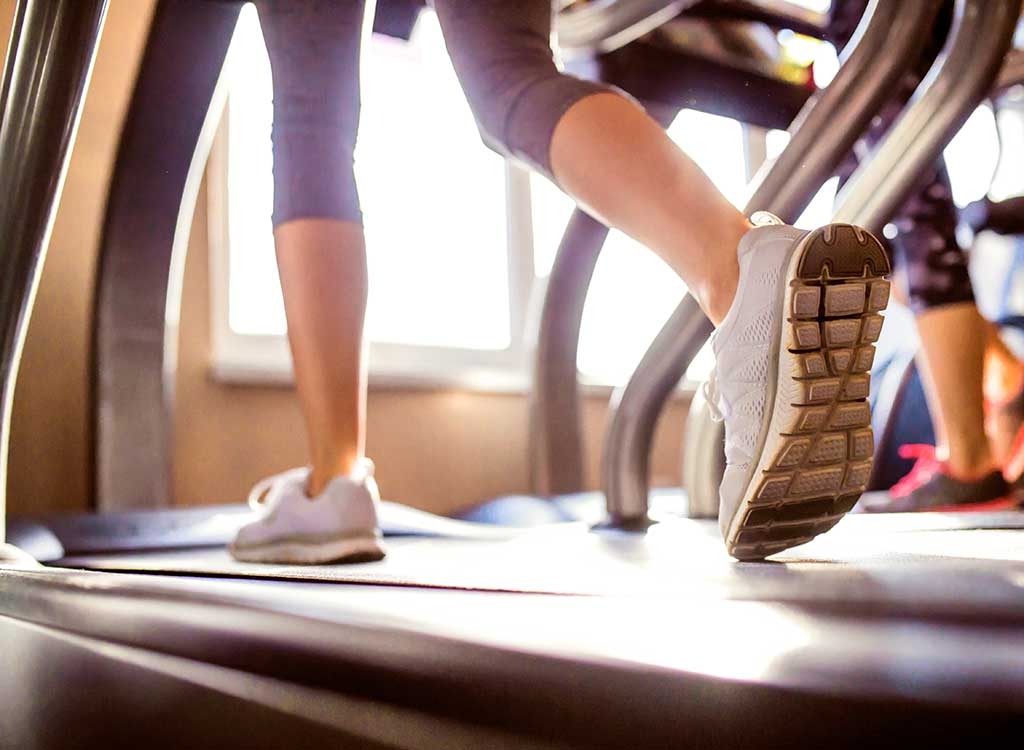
[
  {"x": 857, "y": 96},
  {"x": 52, "y": 48},
  {"x": 164, "y": 144},
  {"x": 555, "y": 435},
  {"x": 782, "y": 13},
  {"x": 556, "y": 442},
  {"x": 958, "y": 81},
  {"x": 627, "y": 444},
  {"x": 886, "y": 43},
  {"x": 609, "y": 24}
]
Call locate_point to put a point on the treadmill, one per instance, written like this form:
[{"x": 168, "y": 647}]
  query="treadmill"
[{"x": 135, "y": 627}]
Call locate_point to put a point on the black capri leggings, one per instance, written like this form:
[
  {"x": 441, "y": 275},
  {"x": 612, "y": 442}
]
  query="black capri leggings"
[{"x": 502, "y": 54}]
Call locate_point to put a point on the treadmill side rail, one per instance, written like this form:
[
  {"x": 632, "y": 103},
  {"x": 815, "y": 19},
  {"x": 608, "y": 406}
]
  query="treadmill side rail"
[{"x": 53, "y": 45}]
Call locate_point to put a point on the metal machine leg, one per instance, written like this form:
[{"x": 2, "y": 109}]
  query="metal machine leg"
[
  {"x": 53, "y": 45},
  {"x": 556, "y": 442},
  {"x": 164, "y": 145},
  {"x": 884, "y": 47}
]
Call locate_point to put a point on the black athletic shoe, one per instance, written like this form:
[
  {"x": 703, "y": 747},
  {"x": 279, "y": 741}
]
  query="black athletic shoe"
[{"x": 930, "y": 487}]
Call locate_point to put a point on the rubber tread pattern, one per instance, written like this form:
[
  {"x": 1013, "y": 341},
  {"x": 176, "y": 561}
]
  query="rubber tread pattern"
[{"x": 824, "y": 458}]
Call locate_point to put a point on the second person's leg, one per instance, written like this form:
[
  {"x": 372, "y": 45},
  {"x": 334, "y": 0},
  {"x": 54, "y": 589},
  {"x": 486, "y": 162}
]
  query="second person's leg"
[{"x": 954, "y": 341}]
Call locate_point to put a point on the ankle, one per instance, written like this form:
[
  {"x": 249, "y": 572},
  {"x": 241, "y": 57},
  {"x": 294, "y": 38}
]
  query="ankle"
[
  {"x": 315, "y": 484},
  {"x": 717, "y": 291},
  {"x": 717, "y": 294},
  {"x": 969, "y": 465},
  {"x": 323, "y": 473}
]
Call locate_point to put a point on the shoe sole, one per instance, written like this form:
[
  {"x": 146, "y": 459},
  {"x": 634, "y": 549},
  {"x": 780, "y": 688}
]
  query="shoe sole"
[
  {"x": 349, "y": 550},
  {"x": 985, "y": 506},
  {"x": 818, "y": 450}
]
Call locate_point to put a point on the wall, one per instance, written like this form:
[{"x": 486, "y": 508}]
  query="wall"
[{"x": 436, "y": 450}]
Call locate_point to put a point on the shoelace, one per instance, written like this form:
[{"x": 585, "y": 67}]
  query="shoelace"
[
  {"x": 717, "y": 405},
  {"x": 266, "y": 487},
  {"x": 925, "y": 467}
]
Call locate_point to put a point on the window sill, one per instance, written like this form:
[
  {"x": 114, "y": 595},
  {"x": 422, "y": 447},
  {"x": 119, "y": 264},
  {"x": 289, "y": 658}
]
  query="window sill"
[{"x": 482, "y": 381}]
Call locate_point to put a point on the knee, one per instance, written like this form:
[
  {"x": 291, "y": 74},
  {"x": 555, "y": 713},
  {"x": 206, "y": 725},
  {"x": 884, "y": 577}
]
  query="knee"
[
  {"x": 518, "y": 106},
  {"x": 514, "y": 88},
  {"x": 313, "y": 139}
]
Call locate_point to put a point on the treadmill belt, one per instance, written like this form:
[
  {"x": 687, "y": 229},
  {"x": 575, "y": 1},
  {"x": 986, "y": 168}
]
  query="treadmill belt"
[{"x": 946, "y": 566}]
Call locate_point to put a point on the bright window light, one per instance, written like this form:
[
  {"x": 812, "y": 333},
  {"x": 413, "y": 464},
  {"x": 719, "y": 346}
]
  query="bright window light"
[
  {"x": 634, "y": 292},
  {"x": 821, "y": 6},
  {"x": 1009, "y": 180},
  {"x": 972, "y": 156},
  {"x": 433, "y": 198}
]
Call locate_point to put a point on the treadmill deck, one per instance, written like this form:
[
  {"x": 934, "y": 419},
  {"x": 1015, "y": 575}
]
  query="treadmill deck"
[
  {"x": 886, "y": 624},
  {"x": 920, "y": 565}
]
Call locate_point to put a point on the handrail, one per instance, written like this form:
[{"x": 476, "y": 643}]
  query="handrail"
[
  {"x": 958, "y": 81},
  {"x": 609, "y": 24},
  {"x": 883, "y": 48},
  {"x": 52, "y": 48},
  {"x": 886, "y": 43}
]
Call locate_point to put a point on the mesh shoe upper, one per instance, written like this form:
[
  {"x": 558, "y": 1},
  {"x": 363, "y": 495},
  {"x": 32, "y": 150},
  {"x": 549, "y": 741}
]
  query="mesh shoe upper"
[{"x": 745, "y": 345}]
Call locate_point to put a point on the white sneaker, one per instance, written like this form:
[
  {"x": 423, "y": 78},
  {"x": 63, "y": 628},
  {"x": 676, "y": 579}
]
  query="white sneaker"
[
  {"x": 339, "y": 525},
  {"x": 792, "y": 362}
]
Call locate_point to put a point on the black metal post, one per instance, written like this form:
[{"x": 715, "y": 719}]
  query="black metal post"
[{"x": 53, "y": 45}]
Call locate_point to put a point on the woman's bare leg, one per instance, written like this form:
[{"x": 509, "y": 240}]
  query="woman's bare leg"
[
  {"x": 953, "y": 344},
  {"x": 322, "y": 263},
  {"x": 620, "y": 164}
]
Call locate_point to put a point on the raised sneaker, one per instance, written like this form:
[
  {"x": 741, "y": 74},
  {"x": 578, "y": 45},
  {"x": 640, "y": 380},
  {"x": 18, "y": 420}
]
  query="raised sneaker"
[
  {"x": 793, "y": 356},
  {"x": 930, "y": 486},
  {"x": 338, "y": 525}
]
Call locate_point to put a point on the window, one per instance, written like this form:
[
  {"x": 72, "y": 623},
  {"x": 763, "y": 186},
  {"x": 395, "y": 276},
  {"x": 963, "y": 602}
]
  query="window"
[
  {"x": 435, "y": 213},
  {"x": 457, "y": 239}
]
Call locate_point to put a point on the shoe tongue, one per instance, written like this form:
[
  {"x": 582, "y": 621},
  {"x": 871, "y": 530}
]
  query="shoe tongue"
[{"x": 362, "y": 471}]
